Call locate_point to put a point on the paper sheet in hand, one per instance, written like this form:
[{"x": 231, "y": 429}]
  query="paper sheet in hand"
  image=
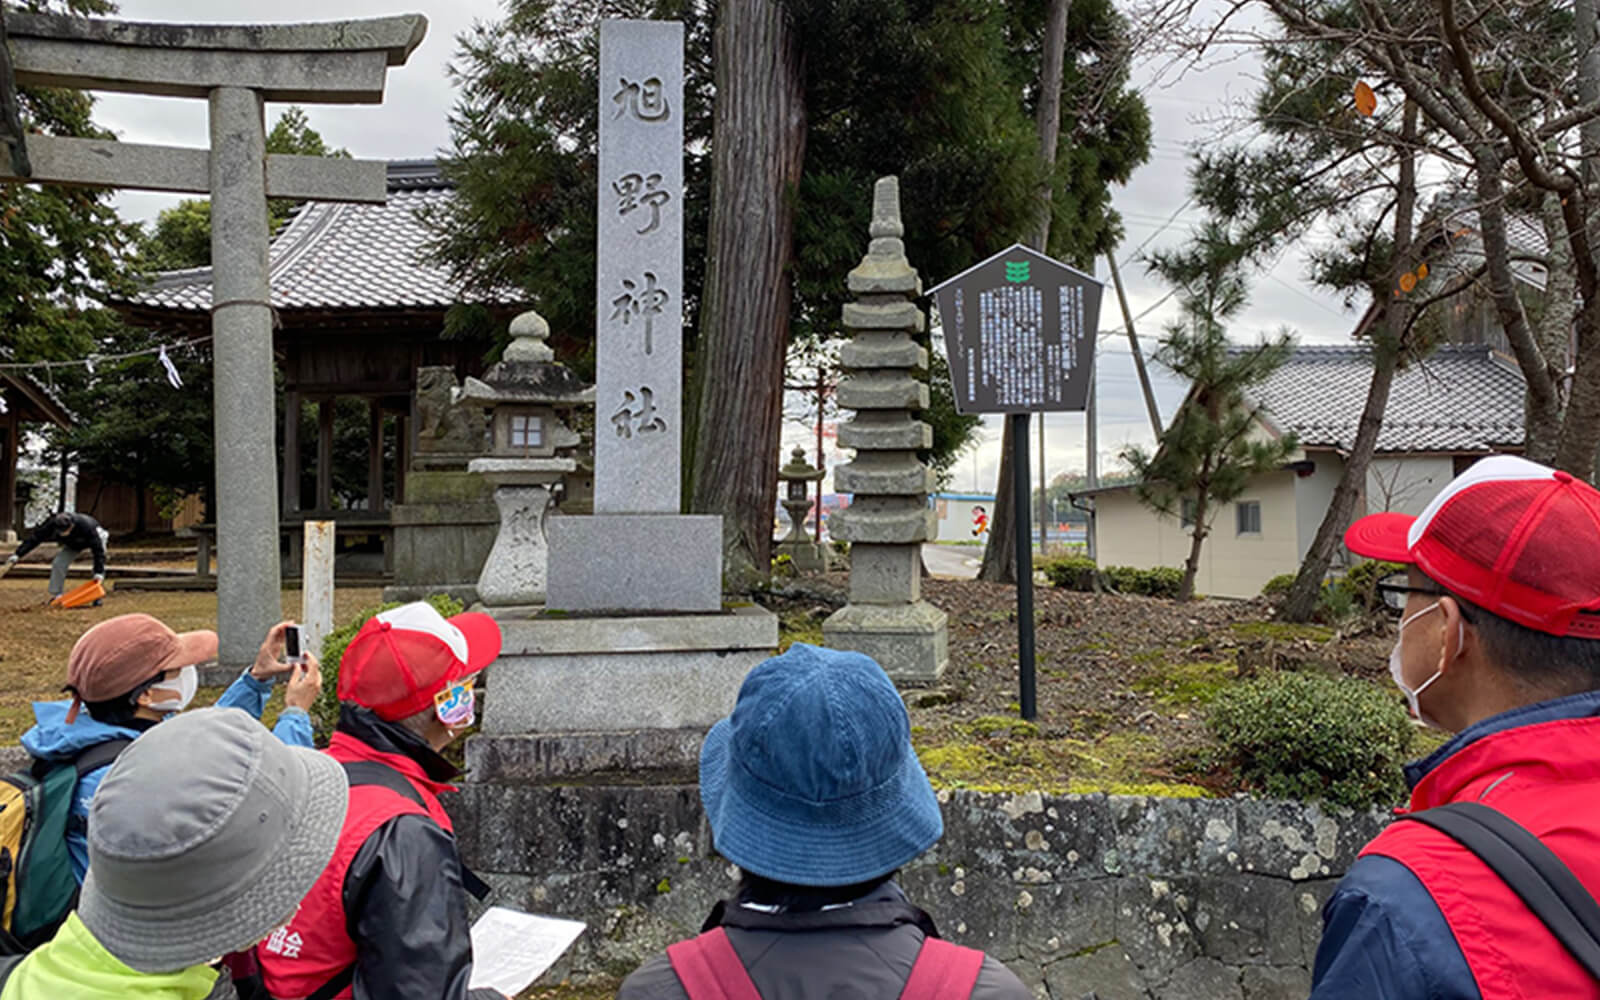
[{"x": 511, "y": 949}]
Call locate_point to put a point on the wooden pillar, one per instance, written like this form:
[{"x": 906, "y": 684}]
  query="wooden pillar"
[
  {"x": 8, "y": 472},
  {"x": 402, "y": 455},
  {"x": 291, "y": 451},
  {"x": 325, "y": 408},
  {"x": 374, "y": 455}
]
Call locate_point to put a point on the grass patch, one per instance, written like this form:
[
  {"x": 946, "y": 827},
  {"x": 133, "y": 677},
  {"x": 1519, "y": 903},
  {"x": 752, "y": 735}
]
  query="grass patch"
[
  {"x": 1282, "y": 631},
  {"x": 1186, "y": 684},
  {"x": 1003, "y": 726},
  {"x": 1117, "y": 764},
  {"x": 797, "y": 627},
  {"x": 35, "y": 643}
]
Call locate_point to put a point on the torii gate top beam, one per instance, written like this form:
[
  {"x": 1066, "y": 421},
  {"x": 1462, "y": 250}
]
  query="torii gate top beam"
[{"x": 330, "y": 62}]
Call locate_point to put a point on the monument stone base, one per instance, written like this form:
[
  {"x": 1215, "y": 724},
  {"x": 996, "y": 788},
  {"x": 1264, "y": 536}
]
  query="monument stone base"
[
  {"x": 807, "y": 557},
  {"x": 442, "y": 534},
  {"x": 636, "y": 562},
  {"x": 582, "y": 684},
  {"x": 910, "y": 641}
]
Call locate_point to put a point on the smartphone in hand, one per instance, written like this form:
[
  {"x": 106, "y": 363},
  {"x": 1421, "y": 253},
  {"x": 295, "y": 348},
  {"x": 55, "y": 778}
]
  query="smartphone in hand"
[{"x": 292, "y": 652}]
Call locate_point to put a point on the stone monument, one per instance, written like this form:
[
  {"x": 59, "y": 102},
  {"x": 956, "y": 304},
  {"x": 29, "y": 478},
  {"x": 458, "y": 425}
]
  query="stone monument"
[
  {"x": 529, "y": 395},
  {"x": 807, "y": 556},
  {"x": 889, "y": 517},
  {"x": 236, "y": 68},
  {"x": 445, "y": 524},
  {"x": 635, "y": 656}
]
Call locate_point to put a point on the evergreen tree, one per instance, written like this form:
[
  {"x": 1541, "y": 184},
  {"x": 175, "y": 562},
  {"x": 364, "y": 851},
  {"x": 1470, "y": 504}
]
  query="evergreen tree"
[
  {"x": 62, "y": 249},
  {"x": 936, "y": 92},
  {"x": 1207, "y": 456}
]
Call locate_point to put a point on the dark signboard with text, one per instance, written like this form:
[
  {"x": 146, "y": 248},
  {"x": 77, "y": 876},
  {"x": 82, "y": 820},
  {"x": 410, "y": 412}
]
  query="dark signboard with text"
[{"x": 1019, "y": 331}]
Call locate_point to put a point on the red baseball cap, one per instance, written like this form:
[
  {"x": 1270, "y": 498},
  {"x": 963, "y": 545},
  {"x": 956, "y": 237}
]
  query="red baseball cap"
[
  {"x": 403, "y": 657},
  {"x": 1516, "y": 538}
]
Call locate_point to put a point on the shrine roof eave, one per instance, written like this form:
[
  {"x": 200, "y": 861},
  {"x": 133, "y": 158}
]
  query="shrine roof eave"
[{"x": 35, "y": 403}]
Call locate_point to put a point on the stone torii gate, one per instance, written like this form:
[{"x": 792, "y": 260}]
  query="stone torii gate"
[{"x": 236, "y": 68}]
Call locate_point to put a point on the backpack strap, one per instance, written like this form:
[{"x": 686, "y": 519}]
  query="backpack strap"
[
  {"x": 943, "y": 971},
  {"x": 371, "y": 772},
  {"x": 1533, "y": 871},
  {"x": 88, "y": 761},
  {"x": 99, "y": 755},
  {"x": 710, "y": 969}
]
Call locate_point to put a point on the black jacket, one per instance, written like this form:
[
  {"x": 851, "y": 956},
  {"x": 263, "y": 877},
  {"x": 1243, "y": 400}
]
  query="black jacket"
[
  {"x": 403, "y": 894},
  {"x": 83, "y": 534},
  {"x": 865, "y": 949}
]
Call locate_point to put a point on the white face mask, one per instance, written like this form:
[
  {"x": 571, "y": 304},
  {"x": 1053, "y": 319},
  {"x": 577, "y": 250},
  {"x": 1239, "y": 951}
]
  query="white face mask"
[
  {"x": 182, "y": 689},
  {"x": 1396, "y": 663}
]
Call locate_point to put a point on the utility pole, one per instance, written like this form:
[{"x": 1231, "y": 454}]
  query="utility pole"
[
  {"x": 1044, "y": 538},
  {"x": 1138, "y": 355}
]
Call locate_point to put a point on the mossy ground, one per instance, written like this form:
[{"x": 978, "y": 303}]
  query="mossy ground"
[{"x": 1124, "y": 685}]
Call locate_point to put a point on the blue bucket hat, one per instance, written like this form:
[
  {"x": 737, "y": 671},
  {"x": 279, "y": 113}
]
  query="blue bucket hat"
[{"x": 812, "y": 779}]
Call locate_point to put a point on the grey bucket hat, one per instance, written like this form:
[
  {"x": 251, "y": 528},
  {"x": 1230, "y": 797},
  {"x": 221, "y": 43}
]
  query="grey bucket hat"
[{"x": 204, "y": 837}]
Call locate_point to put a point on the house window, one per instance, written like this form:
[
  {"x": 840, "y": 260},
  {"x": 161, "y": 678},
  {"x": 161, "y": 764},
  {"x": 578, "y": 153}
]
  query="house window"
[
  {"x": 1186, "y": 512},
  {"x": 1248, "y": 514},
  {"x": 527, "y": 432}
]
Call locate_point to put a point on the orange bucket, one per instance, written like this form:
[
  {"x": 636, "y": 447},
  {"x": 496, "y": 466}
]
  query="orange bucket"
[{"x": 78, "y": 596}]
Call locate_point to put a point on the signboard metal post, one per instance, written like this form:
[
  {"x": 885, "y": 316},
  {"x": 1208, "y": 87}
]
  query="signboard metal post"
[
  {"x": 1019, "y": 332},
  {"x": 1024, "y": 531}
]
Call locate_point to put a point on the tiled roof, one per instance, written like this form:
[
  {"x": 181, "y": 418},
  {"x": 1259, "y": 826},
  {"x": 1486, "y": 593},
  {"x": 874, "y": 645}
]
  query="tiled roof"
[
  {"x": 343, "y": 256},
  {"x": 1461, "y": 399}
]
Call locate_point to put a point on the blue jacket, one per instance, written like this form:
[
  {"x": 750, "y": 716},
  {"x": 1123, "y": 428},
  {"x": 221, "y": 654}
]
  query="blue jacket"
[
  {"x": 52, "y": 739},
  {"x": 1383, "y": 936}
]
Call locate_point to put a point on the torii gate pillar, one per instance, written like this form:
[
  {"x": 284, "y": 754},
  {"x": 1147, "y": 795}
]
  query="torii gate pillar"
[{"x": 237, "y": 68}]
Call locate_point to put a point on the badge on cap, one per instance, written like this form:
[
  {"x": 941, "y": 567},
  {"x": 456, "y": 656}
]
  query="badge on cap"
[{"x": 456, "y": 706}]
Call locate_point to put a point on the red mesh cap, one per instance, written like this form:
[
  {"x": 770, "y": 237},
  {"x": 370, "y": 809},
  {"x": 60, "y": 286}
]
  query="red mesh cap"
[
  {"x": 402, "y": 658},
  {"x": 1519, "y": 540}
]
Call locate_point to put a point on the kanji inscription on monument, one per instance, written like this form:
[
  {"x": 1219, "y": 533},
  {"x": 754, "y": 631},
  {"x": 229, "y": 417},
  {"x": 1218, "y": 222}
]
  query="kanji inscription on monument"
[
  {"x": 1019, "y": 332},
  {"x": 639, "y": 315}
]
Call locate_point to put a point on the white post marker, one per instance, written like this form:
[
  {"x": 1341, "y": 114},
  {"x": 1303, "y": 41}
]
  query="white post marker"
[{"x": 316, "y": 586}]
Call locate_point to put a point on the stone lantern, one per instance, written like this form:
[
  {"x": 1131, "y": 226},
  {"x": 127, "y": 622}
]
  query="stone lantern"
[
  {"x": 529, "y": 397},
  {"x": 807, "y": 555}
]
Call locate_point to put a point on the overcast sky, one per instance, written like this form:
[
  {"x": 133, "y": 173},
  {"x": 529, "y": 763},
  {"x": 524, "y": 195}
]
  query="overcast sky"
[{"x": 412, "y": 123}]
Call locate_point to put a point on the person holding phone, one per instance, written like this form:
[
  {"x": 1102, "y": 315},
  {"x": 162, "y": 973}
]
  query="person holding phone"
[
  {"x": 388, "y": 918},
  {"x": 131, "y": 672}
]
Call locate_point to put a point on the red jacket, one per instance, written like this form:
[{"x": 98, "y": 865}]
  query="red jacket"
[
  {"x": 390, "y": 905},
  {"x": 1546, "y": 776}
]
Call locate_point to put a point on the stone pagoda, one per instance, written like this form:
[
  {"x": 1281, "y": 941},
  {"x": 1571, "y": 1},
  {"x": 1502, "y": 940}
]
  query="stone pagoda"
[{"x": 889, "y": 517}]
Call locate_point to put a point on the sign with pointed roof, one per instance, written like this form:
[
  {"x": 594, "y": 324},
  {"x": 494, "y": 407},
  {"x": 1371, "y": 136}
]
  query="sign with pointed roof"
[{"x": 1019, "y": 330}]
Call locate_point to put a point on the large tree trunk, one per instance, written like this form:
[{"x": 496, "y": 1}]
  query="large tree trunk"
[
  {"x": 1000, "y": 554},
  {"x": 1000, "y": 551},
  {"x": 758, "y": 150},
  {"x": 1306, "y": 593}
]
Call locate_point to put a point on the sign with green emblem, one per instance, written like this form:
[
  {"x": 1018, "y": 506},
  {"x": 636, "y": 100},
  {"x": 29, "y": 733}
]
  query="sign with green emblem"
[{"x": 1019, "y": 330}]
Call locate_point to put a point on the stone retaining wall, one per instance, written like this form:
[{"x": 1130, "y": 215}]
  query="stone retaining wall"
[{"x": 1118, "y": 898}]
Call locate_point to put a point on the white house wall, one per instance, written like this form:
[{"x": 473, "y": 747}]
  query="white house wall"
[
  {"x": 1405, "y": 484},
  {"x": 1313, "y": 495},
  {"x": 955, "y": 518},
  {"x": 1130, "y": 534}
]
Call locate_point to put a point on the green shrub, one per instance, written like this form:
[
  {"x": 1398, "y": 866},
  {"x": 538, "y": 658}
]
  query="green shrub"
[
  {"x": 1360, "y": 582},
  {"x": 1162, "y": 581},
  {"x": 1277, "y": 588},
  {"x": 1071, "y": 573},
  {"x": 325, "y": 713},
  {"x": 1315, "y": 736}
]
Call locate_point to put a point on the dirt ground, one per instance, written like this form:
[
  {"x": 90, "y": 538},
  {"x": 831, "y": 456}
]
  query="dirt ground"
[
  {"x": 1122, "y": 683},
  {"x": 35, "y": 641}
]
